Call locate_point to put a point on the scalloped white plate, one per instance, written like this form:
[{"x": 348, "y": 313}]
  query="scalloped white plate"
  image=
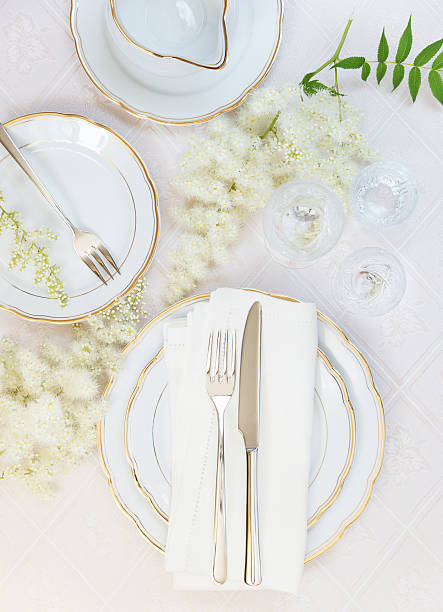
[
  {"x": 104, "y": 187},
  {"x": 368, "y": 412}
]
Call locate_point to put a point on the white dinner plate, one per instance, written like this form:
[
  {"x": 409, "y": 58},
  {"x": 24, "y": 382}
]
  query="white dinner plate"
[
  {"x": 148, "y": 441},
  {"x": 368, "y": 412},
  {"x": 103, "y": 186},
  {"x": 254, "y": 33}
]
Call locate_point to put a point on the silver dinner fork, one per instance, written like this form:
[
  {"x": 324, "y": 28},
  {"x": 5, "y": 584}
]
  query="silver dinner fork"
[
  {"x": 220, "y": 384},
  {"x": 88, "y": 246}
]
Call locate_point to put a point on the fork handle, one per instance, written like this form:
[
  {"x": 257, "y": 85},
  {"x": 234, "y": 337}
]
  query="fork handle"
[
  {"x": 252, "y": 561},
  {"x": 18, "y": 157},
  {"x": 219, "y": 568}
]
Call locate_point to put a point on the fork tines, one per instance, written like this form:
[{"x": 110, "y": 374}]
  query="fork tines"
[
  {"x": 221, "y": 355},
  {"x": 99, "y": 259}
]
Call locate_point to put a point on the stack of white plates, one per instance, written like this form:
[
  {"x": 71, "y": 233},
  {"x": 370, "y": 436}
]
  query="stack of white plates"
[
  {"x": 179, "y": 66},
  {"x": 347, "y": 437}
]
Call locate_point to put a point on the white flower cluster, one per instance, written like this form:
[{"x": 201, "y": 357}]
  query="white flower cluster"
[
  {"x": 31, "y": 249},
  {"x": 275, "y": 136},
  {"x": 50, "y": 399}
]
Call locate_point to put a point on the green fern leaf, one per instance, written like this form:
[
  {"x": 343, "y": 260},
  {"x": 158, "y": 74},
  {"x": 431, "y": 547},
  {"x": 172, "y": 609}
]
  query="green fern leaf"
[
  {"x": 383, "y": 48},
  {"x": 414, "y": 82},
  {"x": 405, "y": 43},
  {"x": 397, "y": 76}
]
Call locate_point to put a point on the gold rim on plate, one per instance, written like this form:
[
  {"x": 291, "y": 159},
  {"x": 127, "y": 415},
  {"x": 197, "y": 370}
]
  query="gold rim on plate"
[
  {"x": 109, "y": 161},
  {"x": 154, "y": 242},
  {"x": 377, "y": 466},
  {"x": 145, "y": 115},
  {"x": 340, "y": 480},
  {"x": 220, "y": 64},
  {"x": 351, "y": 449}
]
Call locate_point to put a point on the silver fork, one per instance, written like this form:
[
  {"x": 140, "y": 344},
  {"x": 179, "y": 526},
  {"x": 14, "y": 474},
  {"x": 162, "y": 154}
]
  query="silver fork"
[
  {"x": 88, "y": 246},
  {"x": 220, "y": 384}
]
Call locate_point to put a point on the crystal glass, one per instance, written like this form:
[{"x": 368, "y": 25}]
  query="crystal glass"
[
  {"x": 383, "y": 194},
  {"x": 370, "y": 281},
  {"x": 302, "y": 221}
]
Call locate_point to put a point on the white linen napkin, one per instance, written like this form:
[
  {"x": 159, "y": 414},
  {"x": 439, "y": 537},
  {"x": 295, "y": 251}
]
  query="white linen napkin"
[{"x": 289, "y": 343}]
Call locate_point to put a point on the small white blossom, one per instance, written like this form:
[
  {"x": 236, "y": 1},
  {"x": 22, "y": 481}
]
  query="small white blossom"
[
  {"x": 50, "y": 398},
  {"x": 275, "y": 136},
  {"x": 29, "y": 249}
]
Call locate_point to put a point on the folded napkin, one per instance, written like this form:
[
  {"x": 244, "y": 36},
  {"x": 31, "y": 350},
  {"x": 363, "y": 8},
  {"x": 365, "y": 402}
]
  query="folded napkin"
[{"x": 289, "y": 343}]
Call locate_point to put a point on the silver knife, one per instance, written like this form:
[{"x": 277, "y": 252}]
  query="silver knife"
[{"x": 248, "y": 424}]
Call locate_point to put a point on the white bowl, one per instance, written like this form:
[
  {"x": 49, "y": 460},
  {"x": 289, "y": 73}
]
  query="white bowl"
[{"x": 168, "y": 37}]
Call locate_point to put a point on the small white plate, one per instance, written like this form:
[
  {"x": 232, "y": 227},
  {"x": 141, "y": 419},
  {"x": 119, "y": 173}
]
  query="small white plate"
[
  {"x": 254, "y": 31},
  {"x": 103, "y": 186},
  {"x": 148, "y": 442},
  {"x": 368, "y": 412}
]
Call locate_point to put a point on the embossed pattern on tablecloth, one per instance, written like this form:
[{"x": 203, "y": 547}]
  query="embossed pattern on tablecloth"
[{"x": 80, "y": 552}]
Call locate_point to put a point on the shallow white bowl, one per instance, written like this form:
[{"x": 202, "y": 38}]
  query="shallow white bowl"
[{"x": 170, "y": 38}]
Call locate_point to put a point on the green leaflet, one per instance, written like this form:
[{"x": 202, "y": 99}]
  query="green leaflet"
[
  {"x": 312, "y": 87},
  {"x": 436, "y": 85},
  {"x": 381, "y": 71},
  {"x": 438, "y": 62},
  {"x": 405, "y": 43},
  {"x": 397, "y": 76},
  {"x": 350, "y": 62},
  {"x": 383, "y": 48},
  {"x": 428, "y": 52},
  {"x": 365, "y": 71},
  {"x": 414, "y": 82},
  {"x": 335, "y": 93}
]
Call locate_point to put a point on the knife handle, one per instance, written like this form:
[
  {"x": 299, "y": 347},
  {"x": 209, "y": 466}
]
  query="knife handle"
[{"x": 252, "y": 561}]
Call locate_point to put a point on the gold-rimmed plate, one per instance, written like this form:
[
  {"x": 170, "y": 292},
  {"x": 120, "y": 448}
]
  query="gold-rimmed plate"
[
  {"x": 103, "y": 186},
  {"x": 254, "y": 30},
  {"x": 148, "y": 443},
  {"x": 369, "y": 440}
]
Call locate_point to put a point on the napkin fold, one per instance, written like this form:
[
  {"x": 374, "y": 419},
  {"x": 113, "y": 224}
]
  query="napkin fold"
[{"x": 289, "y": 343}]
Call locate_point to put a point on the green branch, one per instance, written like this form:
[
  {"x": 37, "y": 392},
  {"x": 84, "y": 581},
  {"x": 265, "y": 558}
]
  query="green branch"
[
  {"x": 21, "y": 255},
  {"x": 334, "y": 57},
  {"x": 311, "y": 86},
  {"x": 404, "y": 64}
]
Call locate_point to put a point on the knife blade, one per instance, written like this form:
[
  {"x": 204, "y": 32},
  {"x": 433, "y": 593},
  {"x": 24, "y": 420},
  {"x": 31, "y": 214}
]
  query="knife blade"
[
  {"x": 248, "y": 424},
  {"x": 249, "y": 385}
]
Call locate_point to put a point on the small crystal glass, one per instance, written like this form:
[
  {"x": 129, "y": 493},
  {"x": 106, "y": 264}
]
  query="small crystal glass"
[
  {"x": 383, "y": 194},
  {"x": 370, "y": 281},
  {"x": 302, "y": 221}
]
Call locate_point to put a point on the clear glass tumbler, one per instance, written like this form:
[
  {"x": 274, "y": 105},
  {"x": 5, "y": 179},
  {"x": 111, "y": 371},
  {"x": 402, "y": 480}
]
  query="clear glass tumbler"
[
  {"x": 302, "y": 221},
  {"x": 370, "y": 281},
  {"x": 383, "y": 194}
]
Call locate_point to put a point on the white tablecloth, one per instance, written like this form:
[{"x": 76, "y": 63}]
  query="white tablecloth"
[{"x": 80, "y": 552}]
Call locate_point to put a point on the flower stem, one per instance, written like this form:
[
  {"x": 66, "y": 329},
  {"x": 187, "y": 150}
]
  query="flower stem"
[
  {"x": 270, "y": 126},
  {"x": 340, "y": 113},
  {"x": 342, "y": 40},
  {"x": 333, "y": 59}
]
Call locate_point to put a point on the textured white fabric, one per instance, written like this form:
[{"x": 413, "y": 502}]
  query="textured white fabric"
[{"x": 289, "y": 342}]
